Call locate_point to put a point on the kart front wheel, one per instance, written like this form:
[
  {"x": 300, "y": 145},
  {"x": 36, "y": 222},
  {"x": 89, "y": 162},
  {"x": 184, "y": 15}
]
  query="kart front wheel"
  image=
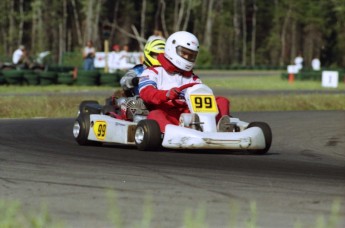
[
  {"x": 81, "y": 128},
  {"x": 148, "y": 135},
  {"x": 266, "y": 130}
]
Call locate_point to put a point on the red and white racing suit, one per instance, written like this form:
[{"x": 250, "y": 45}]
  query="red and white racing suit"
[{"x": 154, "y": 84}]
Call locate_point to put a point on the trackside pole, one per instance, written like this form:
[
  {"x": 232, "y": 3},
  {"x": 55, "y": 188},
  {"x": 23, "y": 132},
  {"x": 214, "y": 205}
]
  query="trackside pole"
[{"x": 291, "y": 78}]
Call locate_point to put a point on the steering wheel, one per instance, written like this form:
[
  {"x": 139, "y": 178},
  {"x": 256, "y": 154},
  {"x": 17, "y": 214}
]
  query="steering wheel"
[
  {"x": 180, "y": 102},
  {"x": 187, "y": 86}
]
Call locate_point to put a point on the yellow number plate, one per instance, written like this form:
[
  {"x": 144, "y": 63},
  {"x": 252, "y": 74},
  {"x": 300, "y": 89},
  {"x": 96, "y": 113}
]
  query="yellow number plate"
[
  {"x": 100, "y": 129},
  {"x": 204, "y": 103}
]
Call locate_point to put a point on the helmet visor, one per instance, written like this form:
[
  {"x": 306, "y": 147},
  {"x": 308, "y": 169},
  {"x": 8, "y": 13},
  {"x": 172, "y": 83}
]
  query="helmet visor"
[{"x": 186, "y": 53}]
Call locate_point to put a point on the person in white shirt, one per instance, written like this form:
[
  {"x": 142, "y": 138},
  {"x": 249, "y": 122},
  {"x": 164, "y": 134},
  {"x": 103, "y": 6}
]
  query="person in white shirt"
[
  {"x": 316, "y": 64},
  {"x": 88, "y": 55},
  {"x": 299, "y": 61},
  {"x": 19, "y": 57}
]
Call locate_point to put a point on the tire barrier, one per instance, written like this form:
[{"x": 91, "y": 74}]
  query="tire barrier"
[
  {"x": 31, "y": 78},
  {"x": 87, "y": 78},
  {"x": 65, "y": 78},
  {"x": 47, "y": 77},
  {"x": 13, "y": 77},
  {"x": 57, "y": 75}
]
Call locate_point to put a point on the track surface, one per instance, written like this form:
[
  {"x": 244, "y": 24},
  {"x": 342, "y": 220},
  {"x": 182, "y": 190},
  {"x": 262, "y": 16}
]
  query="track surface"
[{"x": 300, "y": 177}]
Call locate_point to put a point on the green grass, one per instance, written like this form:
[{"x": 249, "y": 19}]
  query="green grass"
[
  {"x": 63, "y": 101},
  {"x": 265, "y": 83},
  {"x": 12, "y": 215}
]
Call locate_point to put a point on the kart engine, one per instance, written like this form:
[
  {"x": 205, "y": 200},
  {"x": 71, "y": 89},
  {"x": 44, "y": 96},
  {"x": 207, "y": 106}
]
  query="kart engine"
[{"x": 134, "y": 106}]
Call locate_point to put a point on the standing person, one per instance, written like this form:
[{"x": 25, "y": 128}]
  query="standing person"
[
  {"x": 114, "y": 58},
  {"x": 159, "y": 86},
  {"x": 299, "y": 61},
  {"x": 89, "y": 52},
  {"x": 316, "y": 64},
  {"x": 20, "y": 58},
  {"x": 124, "y": 58},
  {"x": 129, "y": 81}
]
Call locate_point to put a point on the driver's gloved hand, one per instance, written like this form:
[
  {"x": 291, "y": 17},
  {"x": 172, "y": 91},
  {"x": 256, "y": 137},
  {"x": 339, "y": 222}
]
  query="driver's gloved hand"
[
  {"x": 173, "y": 93},
  {"x": 126, "y": 81}
]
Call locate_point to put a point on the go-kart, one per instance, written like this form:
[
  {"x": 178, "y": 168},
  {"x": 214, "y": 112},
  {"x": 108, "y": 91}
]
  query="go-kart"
[{"x": 125, "y": 122}]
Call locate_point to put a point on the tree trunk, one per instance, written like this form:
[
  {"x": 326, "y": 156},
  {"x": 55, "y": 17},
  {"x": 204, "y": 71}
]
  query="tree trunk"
[
  {"x": 88, "y": 24},
  {"x": 237, "y": 34},
  {"x": 142, "y": 19},
  {"x": 113, "y": 28},
  {"x": 21, "y": 23},
  {"x": 293, "y": 53},
  {"x": 62, "y": 31},
  {"x": 180, "y": 15},
  {"x": 37, "y": 40},
  {"x": 186, "y": 18},
  {"x": 283, "y": 38},
  {"x": 208, "y": 26},
  {"x": 253, "y": 33},
  {"x": 157, "y": 15},
  {"x": 164, "y": 26},
  {"x": 244, "y": 33},
  {"x": 95, "y": 31},
  {"x": 77, "y": 25},
  {"x": 12, "y": 26}
]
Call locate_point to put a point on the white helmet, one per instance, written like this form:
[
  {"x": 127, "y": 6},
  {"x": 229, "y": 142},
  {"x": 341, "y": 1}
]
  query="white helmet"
[{"x": 181, "y": 49}]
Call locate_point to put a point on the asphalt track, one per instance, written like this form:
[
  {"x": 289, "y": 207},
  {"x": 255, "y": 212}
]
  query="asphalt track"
[{"x": 298, "y": 180}]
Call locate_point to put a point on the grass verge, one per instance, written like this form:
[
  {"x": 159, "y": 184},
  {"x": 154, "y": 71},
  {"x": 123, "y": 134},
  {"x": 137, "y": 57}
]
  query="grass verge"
[
  {"x": 67, "y": 106},
  {"x": 62, "y": 101},
  {"x": 12, "y": 215},
  {"x": 265, "y": 83}
]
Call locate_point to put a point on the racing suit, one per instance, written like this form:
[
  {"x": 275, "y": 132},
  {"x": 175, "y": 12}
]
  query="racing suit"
[{"x": 154, "y": 84}]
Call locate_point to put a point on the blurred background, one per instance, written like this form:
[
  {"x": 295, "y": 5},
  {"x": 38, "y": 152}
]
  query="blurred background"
[{"x": 233, "y": 33}]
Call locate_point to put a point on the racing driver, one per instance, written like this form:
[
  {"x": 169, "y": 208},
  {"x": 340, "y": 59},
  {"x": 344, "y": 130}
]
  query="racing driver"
[{"x": 159, "y": 85}]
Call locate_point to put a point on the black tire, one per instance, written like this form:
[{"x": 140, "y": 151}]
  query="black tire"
[
  {"x": 148, "y": 135},
  {"x": 267, "y": 133},
  {"x": 83, "y": 104},
  {"x": 81, "y": 130}
]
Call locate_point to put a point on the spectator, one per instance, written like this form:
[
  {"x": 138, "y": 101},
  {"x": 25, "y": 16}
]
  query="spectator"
[
  {"x": 88, "y": 55},
  {"x": 316, "y": 64},
  {"x": 157, "y": 35},
  {"x": 20, "y": 58},
  {"x": 299, "y": 61},
  {"x": 114, "y": 58},
  {"x": 124, "y": 58}
]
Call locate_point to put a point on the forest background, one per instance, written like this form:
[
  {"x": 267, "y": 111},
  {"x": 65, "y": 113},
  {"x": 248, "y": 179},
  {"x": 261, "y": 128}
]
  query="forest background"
[{"x": 231, "y": 32}]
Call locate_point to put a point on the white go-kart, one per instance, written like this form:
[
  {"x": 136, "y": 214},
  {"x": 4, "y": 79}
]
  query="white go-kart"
[{"x": 126, "y": 123}]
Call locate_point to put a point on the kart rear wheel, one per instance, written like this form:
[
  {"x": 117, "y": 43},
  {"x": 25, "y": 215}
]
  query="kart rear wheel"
[
  {"x": 267, "y": 133},
  {"x": 148, "y": 135},
  {"x": 81, "y": 128}
]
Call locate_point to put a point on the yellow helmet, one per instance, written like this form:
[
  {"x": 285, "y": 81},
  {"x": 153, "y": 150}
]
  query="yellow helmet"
[{"x": 151, "y": 50}]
